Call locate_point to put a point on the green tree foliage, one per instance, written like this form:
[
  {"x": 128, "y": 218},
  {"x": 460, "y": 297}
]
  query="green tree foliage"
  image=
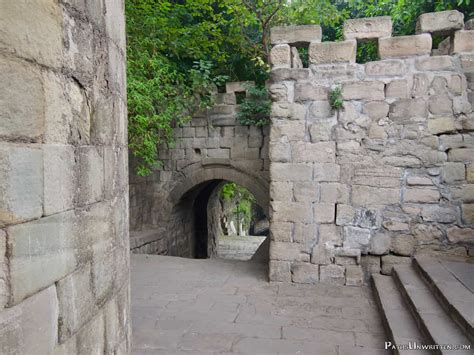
[
  {"x": 180, "y": 51},
  {"x": 255, "y": 109},
  {"x": 243, "y": 201}
]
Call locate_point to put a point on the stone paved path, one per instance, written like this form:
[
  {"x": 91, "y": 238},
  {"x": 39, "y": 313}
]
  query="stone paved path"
[{"x": 188, "y": 306}]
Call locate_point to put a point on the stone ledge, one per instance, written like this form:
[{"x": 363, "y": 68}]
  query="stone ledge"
[
  {"x": 296, "y": 35},
  {"x": 368, "y": 28},
  {"x": 405, "y": 46}
]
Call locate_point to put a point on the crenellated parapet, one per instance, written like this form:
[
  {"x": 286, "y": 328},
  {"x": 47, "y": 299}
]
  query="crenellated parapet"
[{"x": 285, "y": 39}]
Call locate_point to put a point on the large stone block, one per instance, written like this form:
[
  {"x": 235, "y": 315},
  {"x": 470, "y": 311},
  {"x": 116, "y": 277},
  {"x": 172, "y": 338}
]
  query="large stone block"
[
  {"x": 405, "y": 109},
  {"x": 440, "y": 214},
  {"x": 91, "y": 174},
  {"x": 279, "y": 271},
  {"x": 52, "y": 255},
  {"x": 421, "y": 195},
  {"x": 332, "y": 274},
  {"x": 115, "y": 22},
  {"x": 310, "y": 92},
  {"x": 441, "y": 125},
  {"x": 291, "y": 172},
  {"x": 21, "y": 118},
  {"x": 388, "y": 67},
  {"x": 368, "y": 196},
  {"x": 389, "y": 261},
  {"x": 288, "y": 252},
  {"x": 77, "y": 304},
  {"x": 463, "y": 41},
  {"x": 40, "y": 41},
  {"x": 305, "y": 273},
  {"x": 435, "y": 63},
  {"x": 468, "y": 213},
  {"x": 21, "y": 191},
  {"x": 90, "y": 339},
  {"x": 327, "y": 172},
  {"x": 332, "y": 52},
  {"x": 335, "y": 193},
  {"x": 357, "y": 238},
  {"x": 291, "y": 211},
  {"x": 280, "y": 56},
  {"x": 363, "y": 90},
  {"x": 462, "y": 155},
  {"x": 380, "y": 244},
  {"x": 354, "y": 275},
  {"x": 297, "y": 35},
  {"x": 288, "y": 110},
  {"x": 404, "y": 46},
  {"x": 279, "y": 152},
  {"x": 453, "y": 172},
  {"x": 306, "y": 191},
  {"x": 30, "y": 327},
  {"x": 324, "y": 212},
  {"x": 461, "y": 235},
  {"x": 440, "y": 23},
  {"x": 59, "y": 178},
  {"x": 322, "y": 152},
  {"x": 377, "y": 176},
  {"x": 397, "y": 89},
  {"x": 368, "y": 28}
]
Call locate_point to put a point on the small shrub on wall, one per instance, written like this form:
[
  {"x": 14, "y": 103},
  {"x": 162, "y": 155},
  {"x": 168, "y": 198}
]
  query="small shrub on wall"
[{"x": 255, "y": 108}]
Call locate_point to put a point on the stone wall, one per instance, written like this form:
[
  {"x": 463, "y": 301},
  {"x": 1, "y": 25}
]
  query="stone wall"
[
  {"x": 212, "y": 147},
  {"x": 390, "y": 174},
  {"x": 64, "y": 260}
]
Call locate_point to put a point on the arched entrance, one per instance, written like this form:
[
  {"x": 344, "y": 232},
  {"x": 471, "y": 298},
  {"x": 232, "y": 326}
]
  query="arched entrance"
[{"x": 190, "y": 219}]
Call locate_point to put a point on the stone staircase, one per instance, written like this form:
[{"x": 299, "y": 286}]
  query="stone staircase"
[{"x": 428, "y": 302}]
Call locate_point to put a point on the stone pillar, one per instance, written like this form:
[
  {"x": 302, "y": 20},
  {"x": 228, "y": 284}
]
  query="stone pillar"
[{"x": 64, "y": 261}]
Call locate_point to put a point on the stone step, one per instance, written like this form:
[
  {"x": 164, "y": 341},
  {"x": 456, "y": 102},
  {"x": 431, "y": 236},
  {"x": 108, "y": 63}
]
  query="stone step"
[
  {"x": 456, "y": 299},
  {"x": 435, "y": 325},
  {"x": 399, "y": 324}
]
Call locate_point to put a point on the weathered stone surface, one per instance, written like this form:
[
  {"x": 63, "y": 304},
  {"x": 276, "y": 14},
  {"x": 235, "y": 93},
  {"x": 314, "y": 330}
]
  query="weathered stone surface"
[
  {"x": 34, "y": 266},
  {"x": 363, "y": 90},
  {"x": 462, "y": 154},
  {"x": 334, "y": 193},
  {"x": 441, "y": 125},
  {"x": 421, "y": 195},
  {"x": 333, "y": 274},
  {"x": 397, "y": 89},
  {"x": 368, "y": 28},
  {"x": 404, "y": 46},
  {"x": 346, "y": 215},
  {"x": 354, "y": 275},
  {"x": 441, "y": 22},
  {"x": 279, "y": 271},
  {"x": 453, "y": 172},
  {"x": 461, "y": 235},
  {"x": 463, "y": 41},
  {"x": 291, "y": 172},
  {"x": 90, "y": 339},
  {"x": 469, "y": 25},
  {"x": 357, "y": 238},
  {"x": 438, "y": 214},
  {"x": 323, "y": 152},
  {"x": 288, "y": 252},
  {"x": 468, "y": 213},
  {"x": 76, "y": 302},
  {"x": 389, "y": 67},
  {"x": 30, "y": 327},
  {"x": 332, "y": 52},
  {"x": 21, "y": 118},
  {"x": 40, "y": 41},
  {"x": 376, "y": 109},
  {"x": 403, "y": 244},
  {"x": 59, "y": 178},
  {"x": 21, "y": 173},
  {"x": 280, "y": 56},
  {"x": 389, "y": 261},
  {"x": 291, "y": 211},
  {"x": 288, "y": 110},
  {"x": 440, "y": 105},
  {"x": 405, "y": 109},
  {"x": 435, "y": 63},
  {"x": 305, "y": 273},
  {"x": 326, "y": 172},
  {"x": 295, "y": 34},
  {"x": 324, "y": 212},
  {"x": 380, "y": 244},
  {"x": 310, "y": 92},
  {"x": 91, "y": 175},
  {"x": 306, "y": 191},
  {"x": 367, "y": 196}
]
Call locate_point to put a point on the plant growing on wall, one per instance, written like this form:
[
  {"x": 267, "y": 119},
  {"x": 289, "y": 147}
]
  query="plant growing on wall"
[
  {"x": 335, "y": 98},
  {"x": 255, "y": 108}
]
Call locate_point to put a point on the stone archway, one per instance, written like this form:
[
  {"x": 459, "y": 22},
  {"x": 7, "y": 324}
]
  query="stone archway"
[{"x": 187, "y": 225}]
